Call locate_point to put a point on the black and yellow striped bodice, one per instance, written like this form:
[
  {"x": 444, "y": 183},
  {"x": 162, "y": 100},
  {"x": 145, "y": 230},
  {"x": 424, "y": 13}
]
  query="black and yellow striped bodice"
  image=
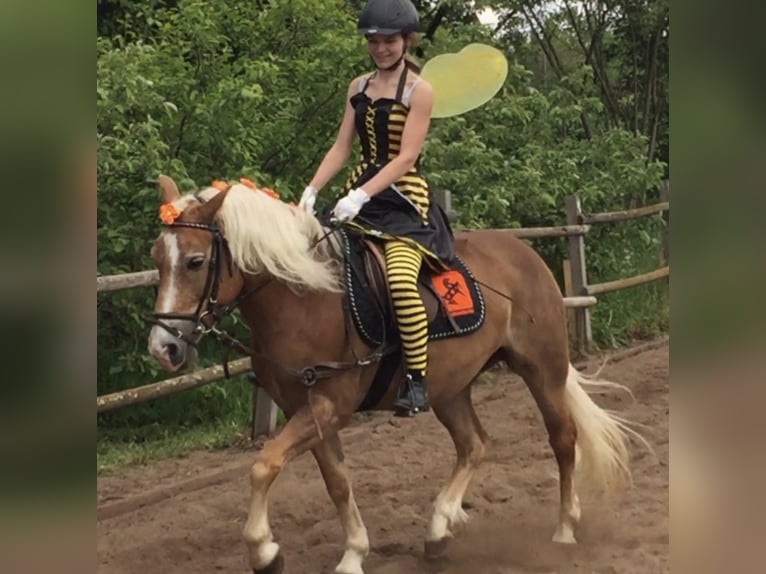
[{"x": 380, "y": 124}]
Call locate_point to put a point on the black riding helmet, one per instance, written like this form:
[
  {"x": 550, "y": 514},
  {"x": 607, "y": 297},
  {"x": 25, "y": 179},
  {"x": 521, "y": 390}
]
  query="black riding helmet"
[{"x": 388, "y": 17}]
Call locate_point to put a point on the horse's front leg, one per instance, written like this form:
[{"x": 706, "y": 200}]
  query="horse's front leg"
[
  {"x": 329, "y": 457},
  {"x": 297, "y": 436}
]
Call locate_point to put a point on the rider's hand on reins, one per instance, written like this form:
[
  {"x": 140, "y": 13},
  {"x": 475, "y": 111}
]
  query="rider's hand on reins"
[{"x": 349, "y": 206}]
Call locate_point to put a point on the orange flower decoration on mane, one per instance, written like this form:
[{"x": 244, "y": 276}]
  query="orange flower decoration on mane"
[
  {"x": 270, "y": 192},
  {"x": 247, "y": 183},
  {"x": 223, "y": 186},
  {"x": 169, "y": 213}
]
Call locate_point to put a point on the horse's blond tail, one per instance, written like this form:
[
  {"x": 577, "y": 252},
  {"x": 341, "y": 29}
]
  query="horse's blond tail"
[{"x": 602, "y": 436}]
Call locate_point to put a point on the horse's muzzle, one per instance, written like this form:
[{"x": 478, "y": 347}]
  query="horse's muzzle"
[{"x": 172, "y": 353}]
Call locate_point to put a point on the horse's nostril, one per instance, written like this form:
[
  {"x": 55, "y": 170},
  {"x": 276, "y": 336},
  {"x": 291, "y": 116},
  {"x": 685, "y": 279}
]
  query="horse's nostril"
[{"x": 172, "y": 350}]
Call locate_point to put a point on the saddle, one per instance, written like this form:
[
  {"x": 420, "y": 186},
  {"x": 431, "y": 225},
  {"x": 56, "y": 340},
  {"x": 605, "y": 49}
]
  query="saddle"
[{"x": 454, "y": 305}]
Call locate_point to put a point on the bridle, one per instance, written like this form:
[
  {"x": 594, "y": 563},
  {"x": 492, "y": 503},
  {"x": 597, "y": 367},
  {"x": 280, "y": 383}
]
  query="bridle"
[{"x": 208, "y": 309}]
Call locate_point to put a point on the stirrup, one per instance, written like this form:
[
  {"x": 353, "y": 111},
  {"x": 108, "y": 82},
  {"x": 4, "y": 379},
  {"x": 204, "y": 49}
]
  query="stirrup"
[{"x": 414, "y": 400}]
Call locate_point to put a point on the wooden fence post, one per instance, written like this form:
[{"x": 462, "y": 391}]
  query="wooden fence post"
[
  {"x": 444, "y": 198},
  {"x": 665, "y": 196},
  {"x": 569, "y": 292},
  {"x": 582, "y": 335},
  {"x": 264, "y": 413}
]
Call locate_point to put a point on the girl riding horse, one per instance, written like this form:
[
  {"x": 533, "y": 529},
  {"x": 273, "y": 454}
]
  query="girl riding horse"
[{"x": 388, "y": 196}]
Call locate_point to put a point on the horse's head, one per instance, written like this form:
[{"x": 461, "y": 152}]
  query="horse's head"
[{"x": 196, "y": 274}]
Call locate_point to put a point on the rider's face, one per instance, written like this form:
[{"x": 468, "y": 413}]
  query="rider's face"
[{"x": 385, "y": 49}]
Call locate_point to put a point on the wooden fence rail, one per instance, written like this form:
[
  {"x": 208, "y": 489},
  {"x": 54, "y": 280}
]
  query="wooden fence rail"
[
  {"x": 628, "y": 282},
  {"x": 538, "y": 232},
  {"x": 123, "y": 281},
  {"x": 627, "y": 214},
  {"x": 579, "y": 296},
  {"x": 199, "y": 378}
]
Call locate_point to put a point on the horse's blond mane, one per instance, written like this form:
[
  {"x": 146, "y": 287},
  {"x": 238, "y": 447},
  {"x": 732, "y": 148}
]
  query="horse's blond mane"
[{"x": 267, "y": 235}]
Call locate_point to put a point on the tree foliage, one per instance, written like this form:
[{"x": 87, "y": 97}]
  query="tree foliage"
[{"x": 616, "y": 50}]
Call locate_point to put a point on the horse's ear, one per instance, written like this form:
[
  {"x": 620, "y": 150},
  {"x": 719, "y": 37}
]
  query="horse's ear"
[
  {"x": 207, "y": 210},
  {"x": 169, "y": 189}
]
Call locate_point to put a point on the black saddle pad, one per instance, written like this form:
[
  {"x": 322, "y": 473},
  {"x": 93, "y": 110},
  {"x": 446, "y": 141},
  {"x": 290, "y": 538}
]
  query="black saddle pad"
[{"x": 456, "y": 288}]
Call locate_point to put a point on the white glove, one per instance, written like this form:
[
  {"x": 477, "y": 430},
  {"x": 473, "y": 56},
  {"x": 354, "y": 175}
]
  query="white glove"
[
  {"x": 347, "y": 207},
  {"x": 308, "y": 199}
]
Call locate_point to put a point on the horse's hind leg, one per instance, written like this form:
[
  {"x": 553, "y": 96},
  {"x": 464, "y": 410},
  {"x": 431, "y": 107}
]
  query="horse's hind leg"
[
  {"x": 329, "y": 457},
  {"x": 547, "y": 384},
  {"x": 580, "y": 431},
  {"x": 469, "y": 437}
]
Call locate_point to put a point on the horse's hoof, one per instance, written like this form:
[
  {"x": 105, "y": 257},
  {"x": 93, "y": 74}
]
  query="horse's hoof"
[
  {"x": 276, "y": 566},
  {"x": 435, "y": 549},
  {"x": 564, "y": 538}
]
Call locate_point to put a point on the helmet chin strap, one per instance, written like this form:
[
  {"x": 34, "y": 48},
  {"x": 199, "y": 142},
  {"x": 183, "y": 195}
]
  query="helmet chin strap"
[{"x": 394, "y": 65}]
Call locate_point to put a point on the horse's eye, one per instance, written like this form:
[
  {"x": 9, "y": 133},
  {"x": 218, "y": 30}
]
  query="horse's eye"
[{"x": 195, "y": 263}]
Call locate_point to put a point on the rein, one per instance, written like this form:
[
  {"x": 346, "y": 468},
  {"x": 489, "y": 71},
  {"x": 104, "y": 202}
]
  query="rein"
[{"x": 213, "y": 314}]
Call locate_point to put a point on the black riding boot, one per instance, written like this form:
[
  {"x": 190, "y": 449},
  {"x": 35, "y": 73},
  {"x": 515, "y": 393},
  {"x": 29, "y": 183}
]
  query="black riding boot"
[{"x": 414, "y": 397}]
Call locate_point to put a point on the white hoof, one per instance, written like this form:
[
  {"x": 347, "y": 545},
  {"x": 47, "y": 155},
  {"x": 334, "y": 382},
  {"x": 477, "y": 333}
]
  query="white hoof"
[
  {"x": 350, "y": 564},
  {"x": 265, "y": 555},
  {"x": 564, "y": 536}
]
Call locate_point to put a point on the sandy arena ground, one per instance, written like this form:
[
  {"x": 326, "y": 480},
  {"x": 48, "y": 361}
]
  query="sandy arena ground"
[{"x": 186, "y": 515}]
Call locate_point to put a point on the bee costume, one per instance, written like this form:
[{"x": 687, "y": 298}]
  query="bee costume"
[
  {"x": 412, "y": 226},
  {"x": 404, "y": 216}
]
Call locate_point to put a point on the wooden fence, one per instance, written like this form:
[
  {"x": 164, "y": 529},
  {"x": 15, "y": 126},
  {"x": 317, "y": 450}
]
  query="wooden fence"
[
  {"x": 575, "y": 268},
  {"x": 579, "y": 297}
]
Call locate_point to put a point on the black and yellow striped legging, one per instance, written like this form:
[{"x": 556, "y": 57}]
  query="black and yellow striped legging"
[{"x": 403, "y": 265}]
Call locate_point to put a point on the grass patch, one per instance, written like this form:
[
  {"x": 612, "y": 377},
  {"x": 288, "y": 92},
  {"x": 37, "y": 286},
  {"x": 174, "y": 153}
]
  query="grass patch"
[
  {"x": 636, "y": 314},
  {"x": 116, "y": 449}
]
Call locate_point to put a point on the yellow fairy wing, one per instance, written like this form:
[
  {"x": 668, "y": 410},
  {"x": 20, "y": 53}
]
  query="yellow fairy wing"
[{"x": 465, "y": 80}]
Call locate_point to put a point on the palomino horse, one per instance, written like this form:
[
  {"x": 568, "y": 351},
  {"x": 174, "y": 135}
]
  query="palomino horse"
[{"x": 239, "y": 246}]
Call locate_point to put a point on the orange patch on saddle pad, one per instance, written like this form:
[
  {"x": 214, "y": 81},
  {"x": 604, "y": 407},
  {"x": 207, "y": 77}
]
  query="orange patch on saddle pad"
[{"x": 452, "y": 288}]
